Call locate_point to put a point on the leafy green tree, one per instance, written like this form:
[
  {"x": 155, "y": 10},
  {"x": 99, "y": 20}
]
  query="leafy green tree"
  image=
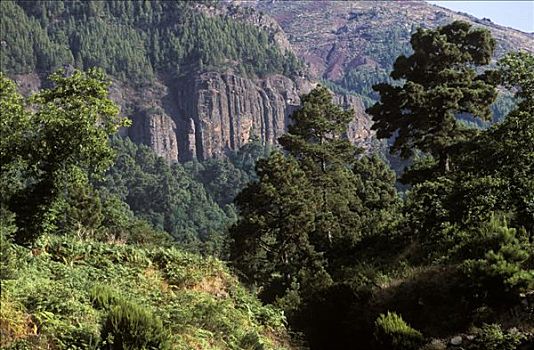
[
  {"x": 66, "y": 140},
  {"x": 436, "y": 84},
  {"x": 15, "y": 139}
]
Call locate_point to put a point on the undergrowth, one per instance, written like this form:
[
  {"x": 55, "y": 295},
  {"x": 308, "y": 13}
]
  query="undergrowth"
[{"x": 68, "y": 293}]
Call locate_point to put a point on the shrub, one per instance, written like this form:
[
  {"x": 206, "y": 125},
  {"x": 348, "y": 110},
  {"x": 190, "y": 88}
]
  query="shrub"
[
  {"x": 492, "y": 337},
  {"x": 393, "y": 333},
  {"x": 502, "y": 269},
  {"x": 7, "y": 254},
  {"x": 103, "y": 297},
  {"x": 130, "y": 326}
]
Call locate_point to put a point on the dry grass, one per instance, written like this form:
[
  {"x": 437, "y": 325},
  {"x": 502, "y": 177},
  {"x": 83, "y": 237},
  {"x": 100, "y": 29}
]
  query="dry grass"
[
  {"x": 214, "y": 285},
  {"x": 14, "y": 324}
]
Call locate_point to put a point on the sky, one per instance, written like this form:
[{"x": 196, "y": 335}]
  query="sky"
[{"x": 514, "y": 14}]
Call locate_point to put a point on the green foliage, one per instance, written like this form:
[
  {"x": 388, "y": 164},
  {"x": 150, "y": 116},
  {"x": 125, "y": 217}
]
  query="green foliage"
[
  {"x": 439, "y": 82},
  {"x": 316, "y": 140},
  {"x": 392, "y": 332},
  {"x": 192, "y": 201},
  {"x": 302, "y": 220},
  {"x": 224, "y": 178},
  {"x": 26, "y": 46},
  {"x": 77, "y": 294},
  {"x": 16, "y": 133},
  {"x": 130, "y": 326},
  {"x": 321, "y": 231},
  {"x": 58, "y": 140},
  {"x": 167, "y": 196},
  {"x": 141, "y": 39},
  {"x": 7, "y": 253},
  {"x": 507, "y": 148},
  {"x": 497, "y": 263},
  {"x": 491, "y": 172},
  {"x": 270, "y": 244},
  {"x": 362, "y": 79},
  {"x": 492, "y": 337},
  {"x": 103, "y": 297}
]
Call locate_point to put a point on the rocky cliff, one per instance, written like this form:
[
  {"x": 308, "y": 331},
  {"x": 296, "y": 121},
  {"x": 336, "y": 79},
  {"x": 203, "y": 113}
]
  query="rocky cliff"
[
  {"x": 204, "y": 112},
  {"x": 202, "y": 116},
  {"x": 207, "y": 114}
]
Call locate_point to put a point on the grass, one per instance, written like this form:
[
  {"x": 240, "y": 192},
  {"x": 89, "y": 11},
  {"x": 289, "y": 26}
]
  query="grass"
[{"x": 47, "y": 301}]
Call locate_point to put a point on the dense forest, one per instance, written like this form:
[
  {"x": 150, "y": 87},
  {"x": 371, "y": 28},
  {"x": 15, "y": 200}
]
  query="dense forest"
[
  {"x": 104, "y": 245},
  {"x": 134, "y": 40},
  {"x": 323, "y": 234}
]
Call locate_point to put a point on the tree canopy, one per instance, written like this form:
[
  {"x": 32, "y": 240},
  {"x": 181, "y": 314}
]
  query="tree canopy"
[
  {"x": 301, "y": 220},
  {"x": 59, "y": 138},
  {"x": 433, "y": 87}
]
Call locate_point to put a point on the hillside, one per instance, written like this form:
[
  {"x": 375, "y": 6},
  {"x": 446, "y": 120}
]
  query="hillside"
[
  {"x": 54, "y": 296},
  {"x": 195, "y": 95},
  {"x": 354, "y": 43}
]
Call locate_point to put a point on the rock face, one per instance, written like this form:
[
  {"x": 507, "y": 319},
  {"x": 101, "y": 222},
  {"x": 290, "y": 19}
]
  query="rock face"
[
  {"x": 159, "y": 131},
  {"x": 359, "y": 130},
  {"x": 206, "y": 115}
]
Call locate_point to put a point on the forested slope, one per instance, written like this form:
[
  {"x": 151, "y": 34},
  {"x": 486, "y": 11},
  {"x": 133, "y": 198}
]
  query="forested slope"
[
  {"x": 79, "y": 269},
  {"x": 133, "y": 41}
]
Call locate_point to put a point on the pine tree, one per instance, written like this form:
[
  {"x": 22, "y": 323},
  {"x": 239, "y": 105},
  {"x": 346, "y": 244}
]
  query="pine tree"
[
  {"x": 436, "y": 84},
  {"x": 301, "y": 221},
  {"x": 316, "y": 139},
  {"x": 270, "y": 243}
]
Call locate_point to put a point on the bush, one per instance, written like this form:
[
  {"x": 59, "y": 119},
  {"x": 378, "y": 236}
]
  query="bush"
[
  {"x": 130, "y": 326},
  {"x": 7, "y": 254},
  {"x": 501, "y": 269},
  {"x": 492, "y": 337},
  {"x": 393, "y": 333},
  {"x": 103, "y": 297}
]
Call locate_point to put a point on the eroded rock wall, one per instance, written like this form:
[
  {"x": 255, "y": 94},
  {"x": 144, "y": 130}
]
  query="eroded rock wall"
[{"x": 206, "y": 115}]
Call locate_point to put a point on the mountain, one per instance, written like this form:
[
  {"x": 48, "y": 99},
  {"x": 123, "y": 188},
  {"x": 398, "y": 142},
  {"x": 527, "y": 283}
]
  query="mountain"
[
  {"x": 199, "y": 79},
  {"x": 338, "y": 38}
]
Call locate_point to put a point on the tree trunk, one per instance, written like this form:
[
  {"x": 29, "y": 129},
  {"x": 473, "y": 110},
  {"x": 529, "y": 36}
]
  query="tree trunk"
[{"x": 444, "y": 163}]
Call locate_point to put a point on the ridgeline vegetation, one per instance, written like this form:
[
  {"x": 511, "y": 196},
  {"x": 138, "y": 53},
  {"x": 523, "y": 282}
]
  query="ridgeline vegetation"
[
  {"x": 141, "y": 39},
  {"x": 95, "y": 229}
]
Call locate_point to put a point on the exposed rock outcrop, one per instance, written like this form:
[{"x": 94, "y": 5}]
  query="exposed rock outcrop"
[
  {"x": 359, "y": 130},
  {"x": 203, "y": 116},
  {"x": 209, "y": 114}
]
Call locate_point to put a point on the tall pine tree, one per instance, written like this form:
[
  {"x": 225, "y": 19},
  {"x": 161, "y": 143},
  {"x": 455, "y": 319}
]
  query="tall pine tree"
[{"x": 436, "y": 84}]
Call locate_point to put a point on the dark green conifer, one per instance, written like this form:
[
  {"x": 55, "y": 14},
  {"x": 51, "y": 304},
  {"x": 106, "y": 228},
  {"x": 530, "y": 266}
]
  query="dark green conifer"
[{"x": 436, "y": 84}]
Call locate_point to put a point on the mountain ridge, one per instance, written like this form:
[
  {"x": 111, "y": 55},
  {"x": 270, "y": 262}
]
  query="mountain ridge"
[{"x": 201, "y": 111}]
